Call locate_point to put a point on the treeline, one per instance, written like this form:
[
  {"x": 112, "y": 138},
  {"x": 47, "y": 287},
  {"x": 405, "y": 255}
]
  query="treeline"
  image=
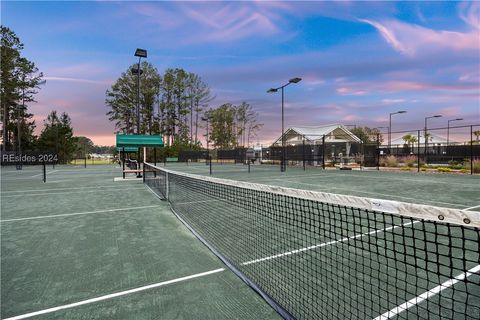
[
  {"x": 176, "y": 105},
  {"x": 20, "y": 82}
]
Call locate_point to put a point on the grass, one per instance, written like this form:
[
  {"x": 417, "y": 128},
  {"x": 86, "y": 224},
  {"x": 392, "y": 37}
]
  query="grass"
[{"x": 91, "y": 161}]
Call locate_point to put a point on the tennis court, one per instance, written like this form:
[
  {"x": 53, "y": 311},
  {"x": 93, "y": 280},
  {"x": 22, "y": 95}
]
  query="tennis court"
[
  {"x": 459, "y": 191},
  {"x": 84, "y": 247},
  {"x": 81, "y": 246},
  {"x": 337, "y": 256}
]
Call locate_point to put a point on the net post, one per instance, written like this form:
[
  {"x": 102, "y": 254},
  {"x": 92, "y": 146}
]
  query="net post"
[
  {"x": 248, "y": 160},
  {"x": 418, "y": 151},
  {"x": 44, "y": 172},
  {"x": 155, "y": 155},
  {"x": 323, "y": 152},
  {"x": 143, "y": 171},
  {"x": 123, "y": 162},
  {"x": 167, "y": 186},
  {"x": 471, "y": 150}
]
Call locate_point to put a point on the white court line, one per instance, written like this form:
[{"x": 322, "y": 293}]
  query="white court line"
[
  {"x": 328, "y": 174},
  {"x": 366, "y": 192},
  {"x": 78, "y": 213},
  {"x": 325, "y": 244},
  {"x": 69, "y": 192},
  {"x": 427, "y": 295},
  {"x": 472, "y": 207},
  {"x": 48, "y": 172},
  {"x": 77, "y": 188},
  {"x": 113, "y": 295}
]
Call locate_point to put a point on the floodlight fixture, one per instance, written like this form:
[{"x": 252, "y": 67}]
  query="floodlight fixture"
[{"x": 142, "y": 53}]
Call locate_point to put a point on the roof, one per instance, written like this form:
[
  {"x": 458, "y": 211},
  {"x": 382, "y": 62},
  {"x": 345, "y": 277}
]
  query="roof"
[
  {"x": 434, "y": 138},
  {"x": 316, "y": 132},
  {"x": 124, "y": 140}
]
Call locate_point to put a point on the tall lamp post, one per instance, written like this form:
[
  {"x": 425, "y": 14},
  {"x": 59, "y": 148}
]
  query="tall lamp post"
[
  {"x": 140, "y": 53},
  {"x": 272, "y": 90},
  {"x": 425, "y": 134},
  {"x": 390, "y": 129},
  {"x": 448, "y": 128}
]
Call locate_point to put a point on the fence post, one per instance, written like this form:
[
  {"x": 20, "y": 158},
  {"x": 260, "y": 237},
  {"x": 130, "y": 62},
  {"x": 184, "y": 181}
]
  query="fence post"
[
  {"x": 418, "y": 151},
  {"x": 323, "y": 152},
  {"x": 85, "y": 161},
  {"x": 210, "y": 161},
  {"x": 143, "y": 172},
  {"x": 471, "y": 149},
  {"x": 378, "y": 152},
  {"x": 303, "y": 152}
]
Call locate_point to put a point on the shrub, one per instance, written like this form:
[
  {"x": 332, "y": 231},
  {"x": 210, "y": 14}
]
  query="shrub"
[
  {"x": 389, "y": 161},
  {"x": 444, "y": 169},
  {"x": 410, "y": 161},
  {"x": 476, "y": 166},
  {"x": 452, "y": 164},
  {"x": 464, "y": 170},
  {"x": 405, "y": 168}
]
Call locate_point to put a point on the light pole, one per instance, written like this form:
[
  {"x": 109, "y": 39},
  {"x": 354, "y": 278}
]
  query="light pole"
[
  {"x": 448, "y": 128},
  {"x": 425, "y": 134},
  {"x": 140, "y": 53},
  {"x": 272, "y": 90},
  {"x": 390, "y": 129}
]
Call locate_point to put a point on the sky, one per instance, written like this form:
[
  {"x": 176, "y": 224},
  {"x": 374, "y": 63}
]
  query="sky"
[{"x": 359, "y": 61}]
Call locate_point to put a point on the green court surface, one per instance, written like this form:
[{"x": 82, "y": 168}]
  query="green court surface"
[
  {"x": 340, "y": 261},
  {"x": 81, "y": 246},
  {"x": 460, "y": 191}
]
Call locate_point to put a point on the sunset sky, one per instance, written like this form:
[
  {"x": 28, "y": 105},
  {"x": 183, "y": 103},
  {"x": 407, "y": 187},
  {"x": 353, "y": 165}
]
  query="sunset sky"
[{"x": 359, "y": 60}]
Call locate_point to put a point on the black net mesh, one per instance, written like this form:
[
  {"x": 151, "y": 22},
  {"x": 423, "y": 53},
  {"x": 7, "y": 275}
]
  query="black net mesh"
[{"x": 326, "y": 261}]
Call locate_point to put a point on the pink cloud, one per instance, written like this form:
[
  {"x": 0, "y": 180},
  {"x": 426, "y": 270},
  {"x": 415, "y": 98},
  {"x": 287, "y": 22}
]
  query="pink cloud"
[
  {"x": 470, "y": 13},
  {"x": 408, "y": 39},
  {"x": 389, "y": 36},
  {"x": 360, "y": 88},
  {"x": 392, "y": 101},
  {"x": 102, "y": 140},
  {"x": 351, "y": 117},
  {"x": 157, "y": 15},
  {"x": 351, "y": 92},
  {"x": 227, "y": 22}
]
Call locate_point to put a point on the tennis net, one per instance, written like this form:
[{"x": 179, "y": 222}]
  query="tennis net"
[{"x": 314, "y": 255}]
